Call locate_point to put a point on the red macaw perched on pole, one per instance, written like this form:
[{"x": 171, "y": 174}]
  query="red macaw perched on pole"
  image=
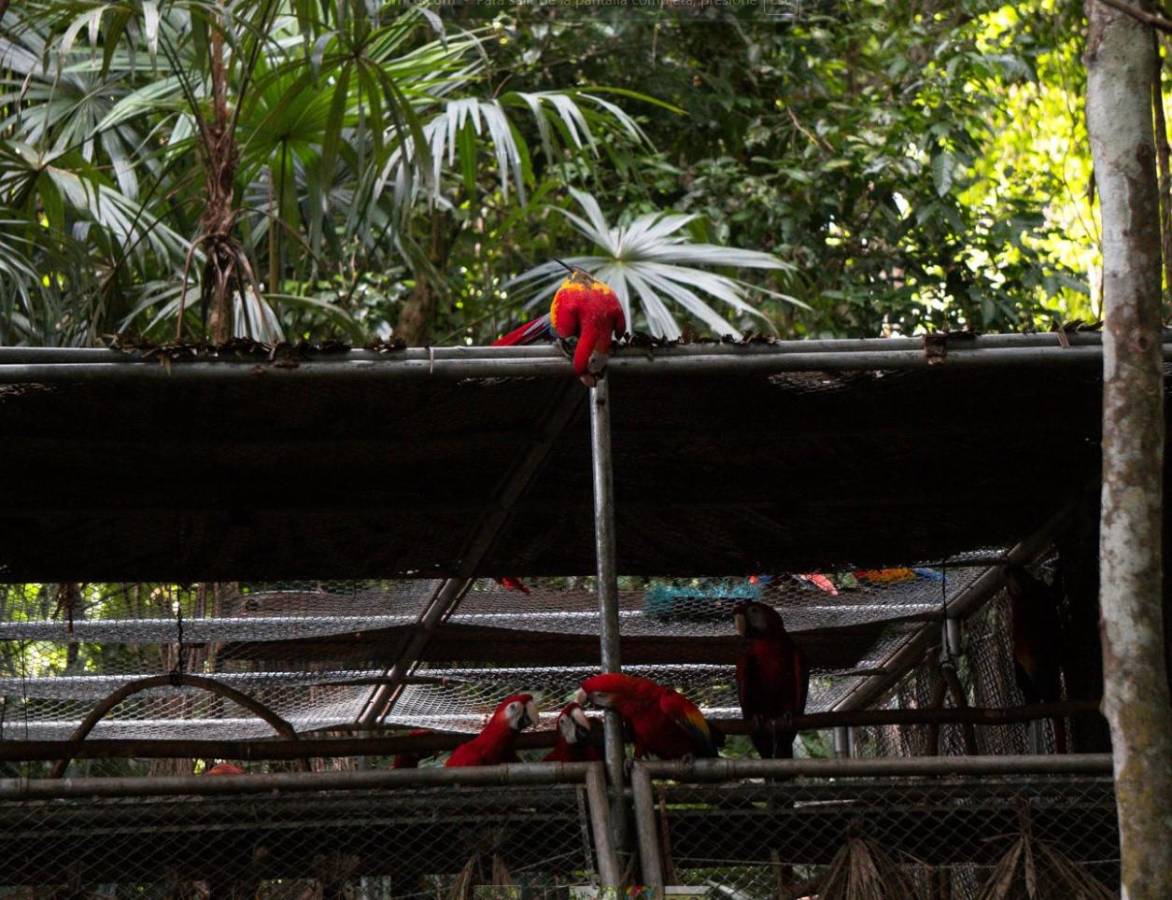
[
  {"x": 585, "y": 308},
  {"x": 1037, "y": 643},
  {"x": 773, "y": 679},
  {"x": 573, "y": 743},
  {"x": 664, "y": 722},
  {"x": 494, "y": 744}
]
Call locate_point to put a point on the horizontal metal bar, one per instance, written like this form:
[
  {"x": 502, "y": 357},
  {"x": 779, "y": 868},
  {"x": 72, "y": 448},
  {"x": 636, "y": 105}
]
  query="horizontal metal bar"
[
  {"x": 552, "y": 364},
  {"x": 18, "y": 750},
  {"x": 732, "y": 769},
  {"x": 28, "y": 355},
  {"x": 523, "y": 773}
]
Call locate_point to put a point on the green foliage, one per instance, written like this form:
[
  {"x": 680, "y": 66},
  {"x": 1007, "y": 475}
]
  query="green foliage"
[
  {"x": 917, "y": 163},
  {"x": 902, "y": 165}
]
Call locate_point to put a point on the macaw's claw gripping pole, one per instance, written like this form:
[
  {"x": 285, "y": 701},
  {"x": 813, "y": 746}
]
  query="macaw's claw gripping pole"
[{"x": 608, "y": 590}]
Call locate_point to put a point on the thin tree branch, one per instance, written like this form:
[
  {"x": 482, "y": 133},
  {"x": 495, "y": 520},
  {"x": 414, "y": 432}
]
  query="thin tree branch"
[{"x": 1156, "y": 20}]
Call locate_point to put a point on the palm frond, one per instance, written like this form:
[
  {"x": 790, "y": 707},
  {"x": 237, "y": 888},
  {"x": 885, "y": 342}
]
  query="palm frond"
[{"x": 652, "y": 260}]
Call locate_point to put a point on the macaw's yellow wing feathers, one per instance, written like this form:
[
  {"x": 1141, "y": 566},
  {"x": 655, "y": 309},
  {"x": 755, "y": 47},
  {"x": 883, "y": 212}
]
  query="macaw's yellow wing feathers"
[{"x": 687, "y": 716}]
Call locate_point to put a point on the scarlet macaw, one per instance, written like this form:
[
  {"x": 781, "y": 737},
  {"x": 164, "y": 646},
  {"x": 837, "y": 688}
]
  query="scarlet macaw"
[
  {"x": 573, "y": 742},
  {"x": 494, "y": 744},
  {"x": 773, "y": 679},
  {"x": 664, "y": 722},
  {"x": 225, "y": 769},
  {"x": 582, "y": 307},
  {"x": 1037, "y": 643}
]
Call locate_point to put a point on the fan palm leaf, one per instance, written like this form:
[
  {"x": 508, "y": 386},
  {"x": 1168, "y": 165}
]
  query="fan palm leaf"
[{"x": 651, "y": 260}]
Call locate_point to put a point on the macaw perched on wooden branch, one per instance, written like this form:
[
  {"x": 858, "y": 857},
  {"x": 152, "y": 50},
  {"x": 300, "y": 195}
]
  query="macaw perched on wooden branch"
[
  {"x": 664, "y": 722},
  {"x": 773, "y": 679},
  {"x": 573, "y": 741},
  {"x": 584, "y": 308},
  {"x": 1037, "y": 642},
  {"x": 494, "y": 744}
]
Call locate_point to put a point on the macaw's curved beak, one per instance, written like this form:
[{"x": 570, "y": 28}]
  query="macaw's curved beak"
[
  {"x": 739, "y": 620},
  {"x": 529, "y": 716},
  {"x": 581, "y": 697},
  {"x": 581, "y": 726}
]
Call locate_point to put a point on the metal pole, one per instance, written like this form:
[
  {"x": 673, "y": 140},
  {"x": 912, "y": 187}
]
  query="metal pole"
[
  {"x": 650, "y": 863},
  {"x": 842, "y": 742},
  {"x": 1047, "y": 340},
  {"x": 552, "y": 365},
  {"x": 608, "y": 589},
  {"x": 608, "y": 863},
  {"x": 519, "y": 774},
  {"x": 729, "y": 769}
]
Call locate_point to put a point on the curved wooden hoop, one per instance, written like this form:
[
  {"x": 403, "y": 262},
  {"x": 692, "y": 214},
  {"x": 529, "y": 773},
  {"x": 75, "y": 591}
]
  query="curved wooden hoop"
[{"x": 172, "y": 679}]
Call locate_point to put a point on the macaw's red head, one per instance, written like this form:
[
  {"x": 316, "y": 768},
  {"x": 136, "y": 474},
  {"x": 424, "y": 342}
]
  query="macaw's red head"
[
  {"x": 518, "y": 712},
  {"x": 224, "y": 769},
  {"x": 573, "y": 725},
  {"x": 613, "y": 690},
  {"x": 757, "y": 620},
  {"x": 589, "y": 310}
]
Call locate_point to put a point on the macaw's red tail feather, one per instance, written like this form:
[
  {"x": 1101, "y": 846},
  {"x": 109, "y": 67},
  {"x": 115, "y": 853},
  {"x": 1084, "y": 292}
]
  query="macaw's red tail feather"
[
  {"x": 529, "y": 333},
  {"x": 591, "y": 354}
]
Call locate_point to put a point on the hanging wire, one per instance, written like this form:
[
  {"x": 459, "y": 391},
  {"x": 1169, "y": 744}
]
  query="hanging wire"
[
  {"x": 24, "y": 686},
  {"x": 178, "y": 667}
]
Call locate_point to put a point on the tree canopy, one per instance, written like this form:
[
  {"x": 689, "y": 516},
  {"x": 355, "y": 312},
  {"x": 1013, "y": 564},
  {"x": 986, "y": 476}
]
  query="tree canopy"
[{"x": 356, "y": 170}]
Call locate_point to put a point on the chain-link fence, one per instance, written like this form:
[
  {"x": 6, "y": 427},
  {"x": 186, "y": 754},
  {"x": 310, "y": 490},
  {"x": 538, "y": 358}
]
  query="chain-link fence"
[
  {"x": 948, "y": 838},
  {"x": 446, "y": 842}
]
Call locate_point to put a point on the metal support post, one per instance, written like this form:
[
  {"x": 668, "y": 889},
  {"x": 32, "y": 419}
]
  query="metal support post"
[
  {"x": 608, "y": 589},
  {"x": 651, "y": 864},
  {"x": 608, "y": 866},
  {"x": 843, "y": 741}
]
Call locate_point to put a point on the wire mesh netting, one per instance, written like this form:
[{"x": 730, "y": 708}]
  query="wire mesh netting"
[
  {"x": 912, "y": 838},
  {"x": 313, "y": 652},
  {"x": 440, "y": 843},
  {"x": 985, "y": 674}
]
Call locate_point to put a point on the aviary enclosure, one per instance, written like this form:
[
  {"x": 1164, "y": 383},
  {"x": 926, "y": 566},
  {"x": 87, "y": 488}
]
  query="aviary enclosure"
[{"x": 185, "y": 587}]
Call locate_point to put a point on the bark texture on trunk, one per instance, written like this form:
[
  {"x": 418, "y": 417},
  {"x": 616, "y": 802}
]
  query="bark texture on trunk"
[{"x": 1121, "y": 61}]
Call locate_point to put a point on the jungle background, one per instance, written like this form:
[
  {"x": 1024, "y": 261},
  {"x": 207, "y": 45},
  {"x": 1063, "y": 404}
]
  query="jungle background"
[{"x": 353, "y": 170}]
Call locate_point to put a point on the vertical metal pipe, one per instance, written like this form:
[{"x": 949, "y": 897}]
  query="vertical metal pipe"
[
  {"x": 608, "y": 586},
  {"x": 650, "y": 863},
  {"x": 842, "y": 742},
  {"x": 608, "y": 864},
  {"x": 952, "y": 637}
]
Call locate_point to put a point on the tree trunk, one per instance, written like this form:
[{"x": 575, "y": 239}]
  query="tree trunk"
[{"x": 1120, "y": 62}]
